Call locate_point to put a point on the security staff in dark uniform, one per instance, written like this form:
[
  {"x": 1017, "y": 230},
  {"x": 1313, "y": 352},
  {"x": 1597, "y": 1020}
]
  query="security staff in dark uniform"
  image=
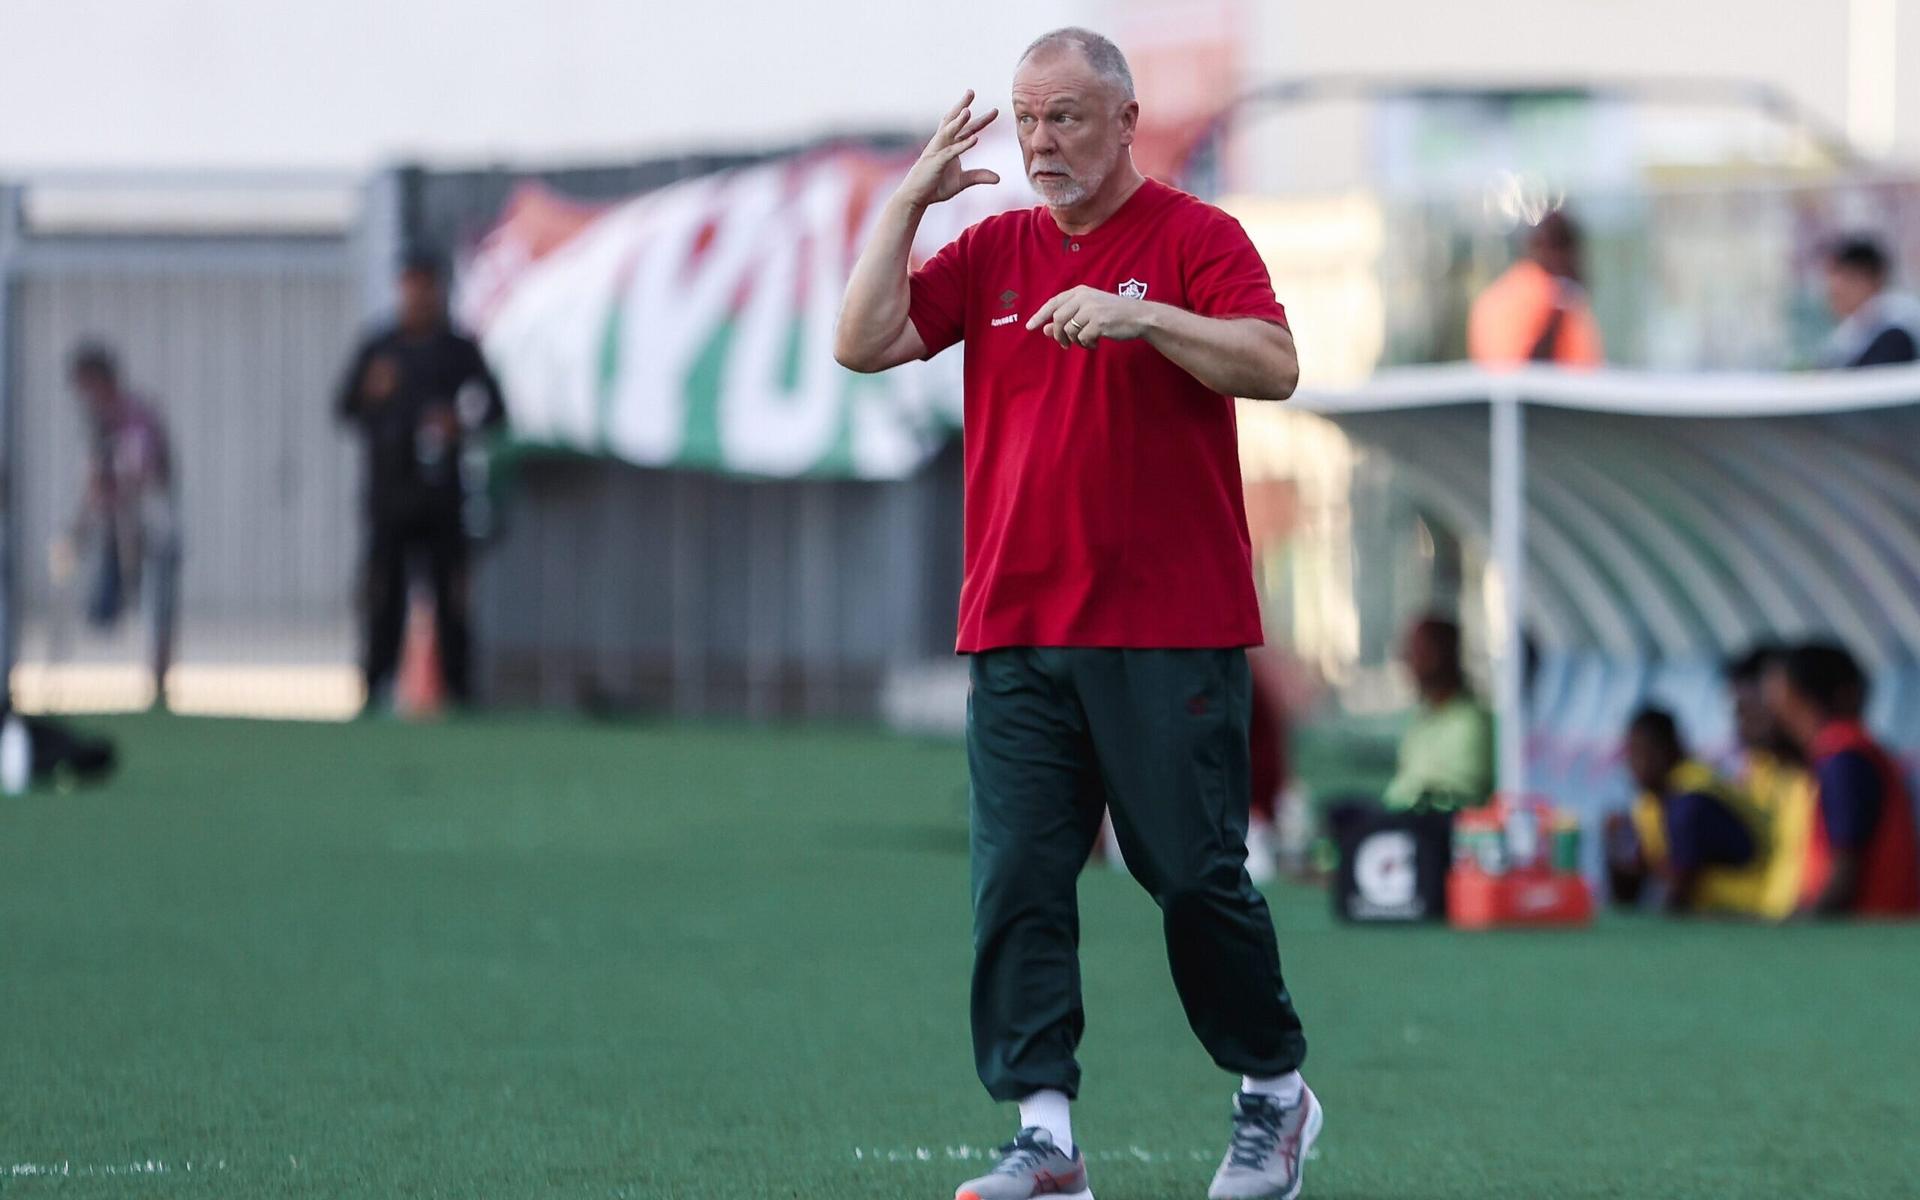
[{"x": 420, "y": 393}]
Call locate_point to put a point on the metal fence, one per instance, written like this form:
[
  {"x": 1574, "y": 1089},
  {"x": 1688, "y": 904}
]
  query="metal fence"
[
  {"x": 693, "y": 594},
  {"x": 236, "y": 335}
]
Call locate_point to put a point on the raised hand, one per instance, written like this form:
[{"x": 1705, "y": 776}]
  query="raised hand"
[{"x": 938, "y": 175}]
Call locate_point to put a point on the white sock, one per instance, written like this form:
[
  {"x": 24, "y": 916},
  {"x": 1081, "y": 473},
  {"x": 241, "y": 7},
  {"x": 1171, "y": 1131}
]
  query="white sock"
[
  {"x": 1284, "y": 1088},
  {"x": 1049, "y": 1111}
]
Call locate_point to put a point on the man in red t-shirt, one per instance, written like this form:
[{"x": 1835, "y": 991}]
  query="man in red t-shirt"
[{"x": 1108, "y": 598}]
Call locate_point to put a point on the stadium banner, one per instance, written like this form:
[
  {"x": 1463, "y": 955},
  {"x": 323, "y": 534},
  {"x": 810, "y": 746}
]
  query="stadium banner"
[{"x": 692, "y": 326}]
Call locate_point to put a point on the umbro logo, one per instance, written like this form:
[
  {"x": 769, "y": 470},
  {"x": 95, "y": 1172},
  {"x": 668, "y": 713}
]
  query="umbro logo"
[{"x": 1008, "y": 297}]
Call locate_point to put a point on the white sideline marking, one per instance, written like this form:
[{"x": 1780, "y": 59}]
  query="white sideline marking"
[
  {"x": 66, "y": 1168},
  {"x": 965, "y": 1153}
]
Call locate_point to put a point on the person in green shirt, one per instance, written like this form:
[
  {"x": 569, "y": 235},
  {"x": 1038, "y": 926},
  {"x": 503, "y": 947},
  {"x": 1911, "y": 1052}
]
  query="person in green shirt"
[{"x": 1446, "y": 755}]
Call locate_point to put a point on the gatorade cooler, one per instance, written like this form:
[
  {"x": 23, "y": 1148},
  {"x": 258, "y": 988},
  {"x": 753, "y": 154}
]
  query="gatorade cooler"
[
  {"x": 1515, "y": 864},
  {"x": 1393, "y": 869}
]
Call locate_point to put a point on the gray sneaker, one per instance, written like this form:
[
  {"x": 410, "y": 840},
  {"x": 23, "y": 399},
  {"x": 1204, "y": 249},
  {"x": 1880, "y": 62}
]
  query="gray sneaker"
[
  {"x": 1268, "y": 1155},
  {"x": 1031, "y": 1165}
]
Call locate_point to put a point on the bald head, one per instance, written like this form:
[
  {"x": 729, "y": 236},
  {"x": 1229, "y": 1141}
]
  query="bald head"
[
  {"x": 1074, "y": 110},
  {"x": 1097, "y": 51}
]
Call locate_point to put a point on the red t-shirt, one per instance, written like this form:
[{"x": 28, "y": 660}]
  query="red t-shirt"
[{"x": 1103, "y": 497}]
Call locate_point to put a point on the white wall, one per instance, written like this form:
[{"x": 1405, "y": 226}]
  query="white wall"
[
  {"x": 347, "y": 83},
  {"x": 1797, "y": 44},
  {"x": 1799, "y": 47}
]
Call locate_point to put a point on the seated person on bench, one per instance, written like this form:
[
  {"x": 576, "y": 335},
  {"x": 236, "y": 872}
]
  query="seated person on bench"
[{"x": 1688, "y": 830}]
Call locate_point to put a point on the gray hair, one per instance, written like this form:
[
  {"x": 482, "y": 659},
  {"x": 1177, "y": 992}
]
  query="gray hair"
[{"x": 1100, "y": 52}]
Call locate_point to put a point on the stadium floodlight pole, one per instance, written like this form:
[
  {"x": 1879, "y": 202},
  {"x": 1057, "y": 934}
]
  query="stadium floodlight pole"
[{"x": 1508, "y": 496}]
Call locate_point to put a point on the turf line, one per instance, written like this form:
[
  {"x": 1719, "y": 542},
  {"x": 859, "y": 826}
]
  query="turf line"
[
  {"x": 964, "y": 1153},
  {"x": 66, "y": 1168}
]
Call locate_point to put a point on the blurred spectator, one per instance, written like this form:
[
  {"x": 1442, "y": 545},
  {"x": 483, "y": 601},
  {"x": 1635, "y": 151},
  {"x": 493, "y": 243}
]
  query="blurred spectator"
[
  {"x": 1701, "y": 839},
  {"x": 1773, "y": 775},
  {"x": 418, "y": 391},
  {"x": 1267, "y": 741},
  {"x": 1446, "y": 755},
  {"x": 1537, "y": 311},
  {"x": 1877, "y": 327},
  {"x": 1268, "y": 736},
  {"x": 128, "y": 519},
  {"x": 1862, "y": 858}
]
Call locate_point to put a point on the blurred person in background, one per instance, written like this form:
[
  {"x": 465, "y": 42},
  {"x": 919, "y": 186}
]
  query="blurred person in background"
[
  {"x": 1773, "y": 776},
  {"x": 419, "y": 393},
  {"x": 1537, "y": 312},
  {"x": 1268, "y": 736},
  {"x": 129, "y": 520},
  {"x": 1446, "y": 755},
  {"x": 1700, "y": 838},
  {"x": 1878, "y": 327},
  {"x": 1108, "y": 597},
  {"x": 1863, "y": 858}
]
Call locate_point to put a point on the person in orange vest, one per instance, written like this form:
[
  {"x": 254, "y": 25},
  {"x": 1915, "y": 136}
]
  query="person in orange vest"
[
  {"x": 1863, "y": 857},
  {"x": 1537, "y": 311}
]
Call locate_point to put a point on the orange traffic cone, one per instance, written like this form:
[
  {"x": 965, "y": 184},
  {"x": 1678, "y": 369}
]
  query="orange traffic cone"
[{"x": 421, "y": 690}]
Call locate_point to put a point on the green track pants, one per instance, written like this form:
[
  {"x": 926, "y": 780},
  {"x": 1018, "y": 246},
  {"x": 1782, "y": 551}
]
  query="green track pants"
[{"x": 1159, "y": 738}]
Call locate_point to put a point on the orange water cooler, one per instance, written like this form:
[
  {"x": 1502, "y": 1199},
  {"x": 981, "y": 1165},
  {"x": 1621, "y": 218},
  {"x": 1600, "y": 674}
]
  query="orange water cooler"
[{"x": 1516, "y": 863}]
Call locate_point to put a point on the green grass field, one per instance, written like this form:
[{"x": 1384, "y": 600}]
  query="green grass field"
[{"x": 530, "y": 958}]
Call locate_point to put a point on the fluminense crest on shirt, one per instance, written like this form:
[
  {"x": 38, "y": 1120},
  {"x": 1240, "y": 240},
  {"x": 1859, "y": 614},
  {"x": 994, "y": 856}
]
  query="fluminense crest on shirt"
[{"x": 1133, "y": 289}]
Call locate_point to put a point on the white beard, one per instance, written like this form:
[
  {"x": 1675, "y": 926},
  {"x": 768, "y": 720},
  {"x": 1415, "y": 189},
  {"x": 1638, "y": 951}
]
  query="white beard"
[{"x": 1067, "y": 193}]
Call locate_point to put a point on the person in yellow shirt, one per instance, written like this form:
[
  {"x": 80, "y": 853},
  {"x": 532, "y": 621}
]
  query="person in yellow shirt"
[
  {"x": 1774, "y": 778},
  {"x": 1537, "y": 311},
  {"x": 1689, "y": 830},
  {"x": 1446, "y": 755}
]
